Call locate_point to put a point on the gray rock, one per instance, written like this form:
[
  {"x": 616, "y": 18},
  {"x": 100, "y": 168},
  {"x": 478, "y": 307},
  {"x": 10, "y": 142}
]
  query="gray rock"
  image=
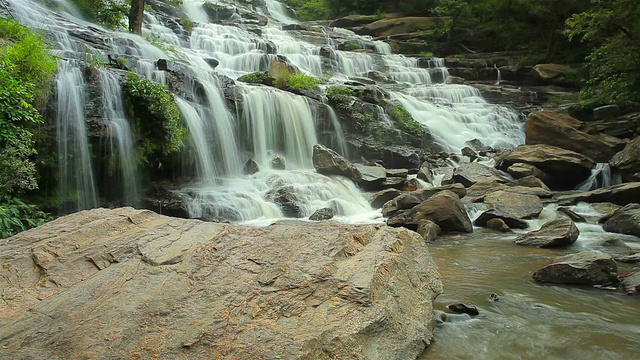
[
  {"x": 445, "y": 209},
  {"x": 428, "y": 230},
  {"x": 477, "y": 192},
  {"x": 381, "y": 197},
  {"x": 329, "y": 162},
  {"x": 622, "y": 194},
  {"x": 424, "y": 174},
  {"x": 521, "y": 170},
  {"x": 287, "y": 200},
  {"x": 402, "y": 173},
  {"x": 468, "y": 152},
  {"x": 529, "y": 181},
  {"x": 633, "y": 258},
  {"x": 522, "y": 206},
  {"x": 372, "y": 176},
  {"x": 160, "y": 287},
  {"x": 625, "y": 220},
  {"x": 394, "y": 183},
  {"x": 464, "y": 309},
  {"x": 162, "y": 64},
  {"x": 250, "y": 167},
  {"x": 408, "y": 200},
  {"x": 571, "y": 214},
  {"x": 627, "y": 161},
  {"x": 497, "y": 224},
  {"x": 556, "y": 233},
  {"x": 469, "y": 174},
  {"x": 491, "y": 214},
  {"x": 631, "y": 284},
  {"x": 322, "y": 214},
  {"x": 278, "y": 163},
  {"x": 583, "y": 268}
]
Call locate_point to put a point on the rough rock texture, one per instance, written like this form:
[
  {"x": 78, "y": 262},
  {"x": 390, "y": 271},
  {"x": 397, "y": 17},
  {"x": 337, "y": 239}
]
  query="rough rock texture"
[
  {"x": 444, "y": 208},
  {"x": 498, "y": 225},
  {"x": 408, "y": 200},
  {"x": 250, "y": 167},
  {"x": 322, "y": 214},
  {"x": 287, "y": 200},
  {"x": 631, "y": 284},
  {"x": 278, "y": 162},
  {"x": 428, "y": 230},
  {"x": 372, "y": 176},
  {"x": 625, "y": 221},
  {"x": 469, "y": 174},
  {"x": 622, "y": 194},
  {"x": 627, "y": 161},
  {"x": 583, "y": 268},
  {"x": 129, "y": 284},
  {"x": 556, "y": 233},
  {"x": 546, "y": 72},
  {"x": 477, "y": 192},
  {"x": 521, "y": 206},
  {"x": 492, "y": 214},
  {"x": 529, "y": 181},
  {"x": 551, "y": 128},
  {"x": 521, "y": 170},
  {"x": 381, "y": 197},
  {"x": 329, "y": 162},
  {"x": 566, "y": 168}
]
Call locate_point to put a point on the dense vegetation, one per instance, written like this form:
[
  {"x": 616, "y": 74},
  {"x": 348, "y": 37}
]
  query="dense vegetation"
[
  {"x": 111, "y": 13},
  {"x": 26, "y": 72}
]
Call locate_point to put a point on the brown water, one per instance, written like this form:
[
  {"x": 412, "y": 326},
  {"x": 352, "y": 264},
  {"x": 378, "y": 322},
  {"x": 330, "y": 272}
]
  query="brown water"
[{"x": 529, "y": 321}]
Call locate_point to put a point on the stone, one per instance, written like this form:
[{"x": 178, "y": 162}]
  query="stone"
[
  {"x": 250, "y": 167},
  {"x": 551, "y": 128},
  {"x": 622, "y": 194},
  {"x": 571, "y": 214},
  {"x": 322, "y": 214},
  {"x": 606, "y": 112},
  {"x": 162, "y": 64},
  {"x": 631, "y": 284},
  {"x": 464, "y": 309},
  {"x": 408, "y": 200},
  {"x": 381, "y": 197},
  {"x": 468, "y": 152},
  {"x": 529, "y": 181},
  {"x": 521, "y": 170},
  {"x": 163, "y": 200},
  {"x": 633, "y": 258},
  {"x": 469, "y": 174},
  {"x": 411, "y": 184},
  {"x": 424, "y": 174},
  {"x": 491, "y": 214},
  {"x": 497, "y": 224},
  {"x": 522, "y": 206},
  {"x": 477, "y": 192},
  {"x": 627, "y": 161},
  {"x": 402, "y": 173},
  {"x": 287, "y": 199},
  {"x": 583, "y": 268},
  {"x": 394, "y": 183},
  {"x": 213, "y": 63},
  {"x": 372, "y": 176},
  {"x": 625, "y": 220},
  {"x": 278, "y": 163},
  {"x": 556, "y": 233},
  {"x": 428, "y": 230},
  {"x": 354, "y": 20},
  {"x": 444, "y": 208},
  {"x": 547, "y": 72},
  {"x": 565, "y": 168},
  {"x": 329, "y": 162},
  {"x": 160, "y": 287}
]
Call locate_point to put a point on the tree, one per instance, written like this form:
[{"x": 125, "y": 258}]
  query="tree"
[{"x": 136, "y": 15}]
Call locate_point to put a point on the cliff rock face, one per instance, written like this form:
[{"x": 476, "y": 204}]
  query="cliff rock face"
[{"x": 130, "y": 284}]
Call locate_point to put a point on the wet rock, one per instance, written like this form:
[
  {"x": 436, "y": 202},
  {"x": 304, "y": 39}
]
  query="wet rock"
[
  {"x": 622, "y": 194},
  {"x": 408, "y": 200},
  {"x": 250, "y": 167},
  {"x": 551, "y": 128},
  {"x": 633, "y": 258},
  {"x": 583, "y": 268},
  {"x": 278, "y": 162},
  {"x": 442, "y": 317},
  {"x": 287, "y": 200},
  {"x": 464, "y": 309},
  {"x": 529, "y": 181},
  {"x": 468, "y": 152},
  {"x": 424, "y": 174},
  {"x": 162, "y": 64},
  {"x": 627, "y": 161},
  {"x": 521, "y": 170},
  {"x": 372, "y": 176},
  {"x": 296, "y": 283},
  {"x": 571, "y": 214},
  {"x": 428, "y": 230},
  {"x": 164, "y": 201},
  {"x": 401, "y": 173},
  {"x": 556, "y": 233},
  {"x": 411, "y": 184},
  {"x": 511, "y": 222},
  {"x": 381, "y": 197},
  {"x": 565, "y": 168},
  {"x": 625, "y": 220},
  {"x": 606, "y": 112},
  {"x": 394, "y": 183},
  {"x": 213, "y": 63},
  {"x": 631, "y": 284},
  {"x": 497, "y": 224},
  {"x": 522, "y": 206},
  {"x": 469, "y": 174},
  {"x": 329, "y": 162},
  {"x": 445, "y": 209},
  {"x": 322, "y": 214}
]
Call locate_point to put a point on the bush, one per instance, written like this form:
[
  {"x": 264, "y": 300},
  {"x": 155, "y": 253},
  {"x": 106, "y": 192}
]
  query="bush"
[
  {"x": 259, "y": 77},
  {"x": 155, "y": 118},
  {"x": 340, "y": 94},
  {"x": 301, "y": 81},
  {"x": 16, "y": 216},
  {"x": 110, "y": 13}
]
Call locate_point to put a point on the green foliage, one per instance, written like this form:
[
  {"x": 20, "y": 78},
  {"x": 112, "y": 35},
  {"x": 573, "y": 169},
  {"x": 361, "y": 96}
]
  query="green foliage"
[
  {"x": 156, "y": 120},
  {"x": 259, "y": 77},
  {"x": 611, "y": 26},
  {"x": 159, "y": 43},
  {"x": 93, "y": 58},
  {"x": 187, "y": 24},
  {"x": 340, "y": 94},
  {"x": 310, "y": 10},
  {"x": 110, "y": 13},
  {"x": 404, "y": 120},
  {"x": 301, "y": 81},
  {"x": 16, "y": 216}
]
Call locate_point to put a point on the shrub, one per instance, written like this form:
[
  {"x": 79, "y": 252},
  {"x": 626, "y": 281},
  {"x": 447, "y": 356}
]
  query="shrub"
[
  {"x": 259, "y": 77},
  {"x": 16, "y": 216},
  {"x": 340, "y": 94},
  {"x": 155, "y": 118},
  {"x": 110, "y": 13},
  {"x": 301, "y": 81}
]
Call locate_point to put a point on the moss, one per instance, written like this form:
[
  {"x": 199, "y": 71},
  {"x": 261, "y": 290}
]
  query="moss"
[
  {"x": 155, "y": 118},
  {"x": 187, "y": 24},
  {"x": 259, "y": 77},
  {"x": 404, "y": 120}
]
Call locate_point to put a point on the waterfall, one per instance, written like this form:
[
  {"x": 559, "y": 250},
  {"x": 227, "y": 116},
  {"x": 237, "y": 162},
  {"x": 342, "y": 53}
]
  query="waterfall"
[
  {"x": 120, "y": 131},
  {"x": 279, "y": 11},
  {"x": 198, "y": 130},
  {"x": 75, "y": 173},
  {"x": 601, "y": 176},
  {"x": 499, "y": 75}
]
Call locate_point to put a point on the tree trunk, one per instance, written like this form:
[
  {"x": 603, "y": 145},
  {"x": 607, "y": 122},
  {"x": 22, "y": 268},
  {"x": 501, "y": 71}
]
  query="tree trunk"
[{"x": 135, "y": 16}]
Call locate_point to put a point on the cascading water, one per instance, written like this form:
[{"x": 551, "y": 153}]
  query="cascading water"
[
  {"x": 121, "y": 135},
  {"x": 601, "y": 176}
]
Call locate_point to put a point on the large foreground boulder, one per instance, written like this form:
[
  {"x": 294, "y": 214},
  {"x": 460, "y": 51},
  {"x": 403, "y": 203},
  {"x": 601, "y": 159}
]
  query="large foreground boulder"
[
  {"x": 583, "y": 268},
  {"x": 565, "y": 168},
  {"x": 129, "y": 284},
  {"x": 329, "y": 162},
  {"x": 625, "y": 220},
  {"x": 557, "y": 233}
]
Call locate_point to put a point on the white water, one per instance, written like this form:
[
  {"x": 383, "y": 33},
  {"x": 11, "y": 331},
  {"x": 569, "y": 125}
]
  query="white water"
[{"x": 601, "y": 176}]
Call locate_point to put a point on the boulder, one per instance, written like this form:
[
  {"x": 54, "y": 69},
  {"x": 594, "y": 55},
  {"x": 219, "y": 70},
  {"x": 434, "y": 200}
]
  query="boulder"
[
  {"x": 606, "y": 112},
  {"x": 571, "y": 214},
  {"x": 477, "y": 192},
  {"x": 381, "y": 197},
  {"x": 408, "y": 200},
  {"x": 521, "y": 170},
  {"x": 464, "y": 309},
  {"x": 424, "y": 174},
  {"x": 497, "y": 224},
  {"x": 622, "y": 194},
  {"x": 394, "y": 183},
  {"x": 470, "y": 153},
  {"x": 250, "y": 167},
  {"x": 631, "y": 284},
  {"x": 164, "y": 200},
  {"x": 625, "y": 220},
  {"x": 445, "y": 209},
  {"x": 547, "y": 72},
  {"x": 372, "y": 176},
  {"x": 329, "y": 162},
  {"x": 583, "y": 268},
  {"x": 551, "y": 128},
  {"x": 633, "y": 258},
  {"x": 287, "y": 200},
  {"x": 322, "y": 214},
  {"x": 627, "y": 161},
  {"x": 469, "y": 174},
  {"x": 354, "y": 20},
  {"x": 402, "y": 173},
  {"x": 428, "y": 230},
  {"x": 491, "y": 214},
  {"x": 529, "y": 181},
  {"x": 522, "y": 206},
  {"x": 565, "y": 168},
  {"x": 278, "y": 163},
  {"x": 132, "y": 284},
  {"x": 556, "y": 233}
]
